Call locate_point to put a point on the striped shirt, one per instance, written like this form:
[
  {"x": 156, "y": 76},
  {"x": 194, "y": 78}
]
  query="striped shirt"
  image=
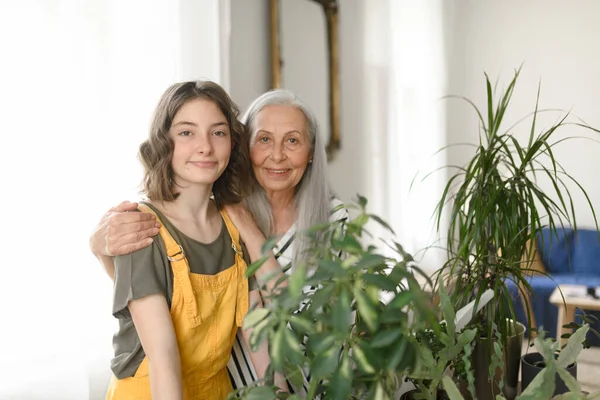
[{"x": 240, "y": 368}]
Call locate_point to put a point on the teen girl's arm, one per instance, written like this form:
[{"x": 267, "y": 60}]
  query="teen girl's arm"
[
  {"x": 153, "y": 324},
  {"x": 140, "y": 295},
  {"x": 122, "y": 231}
]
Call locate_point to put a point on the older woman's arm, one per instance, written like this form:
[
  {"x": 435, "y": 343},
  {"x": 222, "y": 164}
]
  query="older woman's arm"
[
  {"x": 122, "y": 231},
  {"x": 260, "y": 359},
  {"x": 254, "y": 241}
]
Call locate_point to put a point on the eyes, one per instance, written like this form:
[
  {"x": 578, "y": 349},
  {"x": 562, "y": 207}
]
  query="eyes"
[
  {"x": 292, "y": 140},
  {"x": 218, "y": 133}
]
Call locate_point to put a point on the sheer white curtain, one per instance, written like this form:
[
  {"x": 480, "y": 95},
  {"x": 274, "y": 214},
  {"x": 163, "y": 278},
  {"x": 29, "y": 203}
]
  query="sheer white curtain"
[
  {"x": 79, "y": 80},
  {"x": 406, "y": 78}
]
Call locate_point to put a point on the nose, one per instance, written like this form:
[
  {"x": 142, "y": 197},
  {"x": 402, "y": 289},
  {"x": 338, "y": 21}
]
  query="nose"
[
  {"x": 204, "y": 145},
  {"x": 277, "y": 152}
]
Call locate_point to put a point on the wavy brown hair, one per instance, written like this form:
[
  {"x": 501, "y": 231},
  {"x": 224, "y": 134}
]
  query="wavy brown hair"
[{"x": 156, "y": 152}]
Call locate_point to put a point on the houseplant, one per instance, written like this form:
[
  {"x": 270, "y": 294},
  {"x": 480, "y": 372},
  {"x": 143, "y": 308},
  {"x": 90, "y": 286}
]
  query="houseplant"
[
  {"x": 534, "y": 363},
  {"x": 543, "y": 386},
  {"x": 495, "y": 208},
  {"x": 441, "y": 355},
  {"x": 354, "y": 345}
]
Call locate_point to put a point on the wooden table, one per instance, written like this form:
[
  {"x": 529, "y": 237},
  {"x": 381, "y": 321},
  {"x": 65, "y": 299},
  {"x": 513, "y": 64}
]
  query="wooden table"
[{"x": 566, "y": 309}]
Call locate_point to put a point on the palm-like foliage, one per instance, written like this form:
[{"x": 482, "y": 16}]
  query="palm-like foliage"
[{"x": 497, "y": 207}]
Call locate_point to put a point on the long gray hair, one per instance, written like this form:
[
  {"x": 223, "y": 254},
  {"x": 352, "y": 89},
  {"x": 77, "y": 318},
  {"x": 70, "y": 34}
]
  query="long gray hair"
[{"x": 312, "y": 195}]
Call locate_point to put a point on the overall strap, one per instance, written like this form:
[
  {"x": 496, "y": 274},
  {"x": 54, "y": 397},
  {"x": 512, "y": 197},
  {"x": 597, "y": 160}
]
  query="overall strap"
[
  {"x": 174, "y": 250},
  {"x": 233, "y": 232},
  {"x": 243, "y": 295},
  {"x": 179, "y": 265}
]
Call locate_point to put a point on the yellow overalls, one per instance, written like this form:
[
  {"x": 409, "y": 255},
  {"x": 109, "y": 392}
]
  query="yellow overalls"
[{"x": 206, "y": 311}]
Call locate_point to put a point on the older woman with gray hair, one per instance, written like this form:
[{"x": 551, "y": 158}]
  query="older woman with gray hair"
[
  {"x": 291, "y": 194},
  {"x": 290, "y": 167}
]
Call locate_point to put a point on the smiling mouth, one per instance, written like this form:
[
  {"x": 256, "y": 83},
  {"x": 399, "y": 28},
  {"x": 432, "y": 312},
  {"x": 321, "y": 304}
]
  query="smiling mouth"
[
  {"x": 278, "y": 171},
  {"x": 203, "y": 164}
]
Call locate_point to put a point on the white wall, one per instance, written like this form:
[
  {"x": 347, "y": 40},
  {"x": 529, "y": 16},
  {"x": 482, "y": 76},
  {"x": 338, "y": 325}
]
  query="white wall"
[
  {"x": 557, "y": 42},
  {"x": 250, "y": 76},
  {"x": 372, "y": 79},
  {"x": 249, "y": 51}
]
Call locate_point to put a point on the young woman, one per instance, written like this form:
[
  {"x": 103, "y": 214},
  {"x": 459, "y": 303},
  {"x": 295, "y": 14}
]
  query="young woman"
[{"x": 181, "y": 300}]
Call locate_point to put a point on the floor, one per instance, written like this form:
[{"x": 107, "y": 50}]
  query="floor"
[{"x": 588, "y": 369}]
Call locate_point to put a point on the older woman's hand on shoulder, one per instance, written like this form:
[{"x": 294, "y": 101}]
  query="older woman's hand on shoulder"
[{"x": 121, "y": 231}]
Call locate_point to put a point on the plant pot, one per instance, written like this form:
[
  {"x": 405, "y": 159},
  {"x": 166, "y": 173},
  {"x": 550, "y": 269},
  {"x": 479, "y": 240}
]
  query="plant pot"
[
  {"x": 486, "y": 389},
  {"x": 529, "y": 370}
]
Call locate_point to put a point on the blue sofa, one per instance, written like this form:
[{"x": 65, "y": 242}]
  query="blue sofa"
[{"x": 569, "y": 257}]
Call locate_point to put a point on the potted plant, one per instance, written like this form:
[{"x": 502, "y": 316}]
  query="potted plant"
[
  {"x": 495, "y": 208},
  {"x": 534, "y": 363},
  {"x": 442, "y": 354},
  {"x": 353, "y": 344},
  {"x": 544, "y": 385}
]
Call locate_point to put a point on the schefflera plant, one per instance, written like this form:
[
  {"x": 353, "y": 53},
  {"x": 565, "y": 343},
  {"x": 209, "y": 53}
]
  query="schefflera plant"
[{"x": 326, "y": 320}]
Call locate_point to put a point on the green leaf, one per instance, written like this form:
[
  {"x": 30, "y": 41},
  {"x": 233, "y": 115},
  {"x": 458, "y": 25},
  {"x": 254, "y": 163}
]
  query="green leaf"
[
  {"x": 380, "y": 393},
  {"x": 451, "y": 389},
  {"x": 574, "y": 396},
  {"x": 360, "y": 220},
  {"x": 332, "y": 267},
  {"x": 341, "y": 318},
  {"x": 397, "y": 353},
  {"x": 320, "y": 342},
  {"x": 369, "y": 261},
  {"x": 294, "y": 351},
  {"x": 254, "y": 317},
  {"x": 385, "y": 338},
  {"x": 366, "y": 310},
  {"x": 296, "y": 281},
  {"x": 382, "y": 223},
  {"x": 260, "y": 393},
  {"x": 569, "y": 354},
  {"x": 381, "y": 281},
  {"x": 324, "y": 363},
  {"x": 569, "y": 380},
  {"x": 301, "y": 324},
  {"x": 276, "y": 348},
  {"x": 401, "y": 300},
  {"x": 255, "y": 266},
  {"x": 348, "y": 244},
  {"x": 393, "y": 316},
  {"x": 361, "y": 359},
  {"x": 294, "y": 374},
  {"x": 341, "y": 381},
  {"x": 321, "y": 296},
  {"x": 408, "y": 360},
  {"x": 269, "y": 244},
  {"x": 259, "y": 334},
  {"x": 541, "y": 387},
  {"x": 362, "y": 201}
]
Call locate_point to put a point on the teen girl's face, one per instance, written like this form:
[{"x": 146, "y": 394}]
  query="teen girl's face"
[{"x": 202, "y": 143}]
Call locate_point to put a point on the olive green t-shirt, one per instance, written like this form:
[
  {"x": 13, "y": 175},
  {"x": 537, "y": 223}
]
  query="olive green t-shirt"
[{"x": 147, "y": 272}]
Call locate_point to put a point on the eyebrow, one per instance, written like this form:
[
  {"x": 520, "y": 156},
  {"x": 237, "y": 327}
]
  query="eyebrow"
[
  {"x": 270, "y": 133},
  {"x": 195, "y": 125}
]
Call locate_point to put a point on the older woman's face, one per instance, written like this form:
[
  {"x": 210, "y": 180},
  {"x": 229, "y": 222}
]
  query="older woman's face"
[{"x": 280, "y": 148}]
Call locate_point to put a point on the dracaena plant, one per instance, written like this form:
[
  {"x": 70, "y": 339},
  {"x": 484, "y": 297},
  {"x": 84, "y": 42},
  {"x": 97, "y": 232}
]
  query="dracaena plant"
[
  {"x": 495, "y": 206},
  {"x": 328, "y": 319}
]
